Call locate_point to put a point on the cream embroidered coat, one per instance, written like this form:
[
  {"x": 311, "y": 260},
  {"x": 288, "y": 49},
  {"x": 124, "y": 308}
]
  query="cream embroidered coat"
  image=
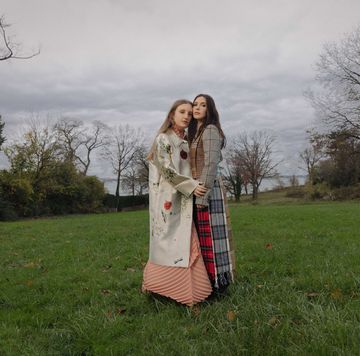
[{"x": 170, "y": 201}]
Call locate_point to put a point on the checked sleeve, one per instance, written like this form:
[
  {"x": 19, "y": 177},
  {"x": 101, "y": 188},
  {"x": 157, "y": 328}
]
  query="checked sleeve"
[{"x": 212, "y": 142}]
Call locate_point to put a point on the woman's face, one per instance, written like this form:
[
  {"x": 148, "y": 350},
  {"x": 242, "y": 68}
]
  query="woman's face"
[
  {"x": 199, "y": 108},
  {"x": 182, "y": 116}
]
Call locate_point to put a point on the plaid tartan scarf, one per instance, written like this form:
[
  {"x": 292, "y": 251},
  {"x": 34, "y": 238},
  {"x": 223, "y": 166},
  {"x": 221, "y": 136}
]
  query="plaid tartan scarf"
[
  {"x": 214, "y": 230},
  {"x": 202, "y": 222}
]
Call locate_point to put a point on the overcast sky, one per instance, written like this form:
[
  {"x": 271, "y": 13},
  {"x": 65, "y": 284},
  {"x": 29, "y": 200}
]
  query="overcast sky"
[{"x": 127, "y": 61}]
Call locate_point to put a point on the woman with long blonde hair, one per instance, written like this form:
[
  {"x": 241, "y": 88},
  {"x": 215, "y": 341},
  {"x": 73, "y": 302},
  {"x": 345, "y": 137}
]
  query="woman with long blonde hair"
[{"x": 175, "y": 268}]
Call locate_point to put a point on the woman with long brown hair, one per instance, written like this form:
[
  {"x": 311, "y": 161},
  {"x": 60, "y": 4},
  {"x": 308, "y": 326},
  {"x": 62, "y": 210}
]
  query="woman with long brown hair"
[
  {"x": 211, "y": 215},
  {"x": 175, "y": 268}
]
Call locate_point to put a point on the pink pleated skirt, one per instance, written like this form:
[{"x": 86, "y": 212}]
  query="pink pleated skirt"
[{"x": 188, "y": 285}]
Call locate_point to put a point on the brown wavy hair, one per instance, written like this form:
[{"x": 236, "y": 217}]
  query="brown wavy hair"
[
  {"x": 212, "y": 118},
  {"x": 168, "y": 123}
]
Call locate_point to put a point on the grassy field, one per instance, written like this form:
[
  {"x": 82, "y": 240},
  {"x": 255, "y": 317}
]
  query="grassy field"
[{"x": 71, "y": 286}]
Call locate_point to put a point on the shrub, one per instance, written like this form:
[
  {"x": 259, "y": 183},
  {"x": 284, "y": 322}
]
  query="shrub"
[
  {"x": 7, "y": 211},
  {"x": 345, "y": 193},
  {"x": 318, "y": 191},
  {"x": 16, "y": 192},
  {"x": 295, "y": 192}
]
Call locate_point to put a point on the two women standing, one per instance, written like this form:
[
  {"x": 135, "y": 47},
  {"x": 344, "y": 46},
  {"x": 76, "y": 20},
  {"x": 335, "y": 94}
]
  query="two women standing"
[{"x": 178, "y": 248}]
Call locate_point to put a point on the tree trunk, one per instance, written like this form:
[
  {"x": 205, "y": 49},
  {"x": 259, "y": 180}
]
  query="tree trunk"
[
  {"x": 254, "y": 192},
  {"x": 238, "y": 189},
  {"x": 117, "y": 192}
]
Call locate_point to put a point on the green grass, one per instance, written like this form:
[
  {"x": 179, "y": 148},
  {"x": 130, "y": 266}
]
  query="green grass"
[{"x": 71, "y": 286}]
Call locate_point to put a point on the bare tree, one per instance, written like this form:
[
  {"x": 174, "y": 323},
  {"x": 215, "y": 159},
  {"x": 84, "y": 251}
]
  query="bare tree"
[
  {"x": 10, "y": 49},
  {"x": 337, "y": 101},
  {"x": 294, "y": 181},
  {"x": 69, "y": 134},
  {"x": 310, "y": 157},
  {"x": 136, "y": 177},
  {"x": 93, "y": 139},
  {"x": 79, "y": 142},
  {"x": 125, "y": 142},
  {"x": 313, "y": 154},
  {"x": 232, "y": 174},
  {"x": 254, "y": 152}
]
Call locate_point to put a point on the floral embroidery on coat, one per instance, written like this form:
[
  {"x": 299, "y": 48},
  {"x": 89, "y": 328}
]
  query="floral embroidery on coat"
[
  {"x": 168, "y": 174},
  {"x": 166, "y": 147}
]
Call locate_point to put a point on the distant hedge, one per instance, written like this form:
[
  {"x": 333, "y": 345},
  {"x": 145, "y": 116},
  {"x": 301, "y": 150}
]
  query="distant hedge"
[{"x": 125, "y": 201}]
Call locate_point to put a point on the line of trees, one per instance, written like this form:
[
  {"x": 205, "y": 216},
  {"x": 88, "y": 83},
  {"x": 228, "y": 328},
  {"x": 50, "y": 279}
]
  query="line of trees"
[
  {"x": 333, "y": 155},
  {"x": 49, "y": 167}
]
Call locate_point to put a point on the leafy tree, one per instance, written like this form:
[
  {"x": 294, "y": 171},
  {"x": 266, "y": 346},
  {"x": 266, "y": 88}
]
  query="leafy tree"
[{"x": 41, "y": 182}]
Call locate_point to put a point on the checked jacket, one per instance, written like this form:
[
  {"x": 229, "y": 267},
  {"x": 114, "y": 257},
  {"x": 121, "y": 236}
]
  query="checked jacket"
[{"x": 213, "y": 221}]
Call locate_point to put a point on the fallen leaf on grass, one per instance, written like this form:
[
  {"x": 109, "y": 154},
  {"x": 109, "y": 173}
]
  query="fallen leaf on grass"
[
  {"x": 297, "y": 321},
  {"x": 29, "y": 283},
  {"x": 109, "y": 314},
  {"x": 312, "y": 294},
  {"x": 30, "y": 265},
  {"x": 274, "y": 321},
  {"x": 230, "y": 315},
  {"x": 131, "y": 270},
  {"x": 44, "y": 269},
  {"x": 107, "y": 268},
  {"x": 120, "y": 310},
  {"x": 259, "y": 286},
  {"x": 195, "y": 310},
  {"x": 336, "y": 294},
  {"x": 269, "y": 246},
  {"x": 354, "y": 294},
  {"x": 106, "y": 291}
]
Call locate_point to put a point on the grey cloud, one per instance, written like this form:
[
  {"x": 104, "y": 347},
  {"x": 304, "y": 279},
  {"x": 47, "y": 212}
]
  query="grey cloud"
[{"x": 127, "y": 61}]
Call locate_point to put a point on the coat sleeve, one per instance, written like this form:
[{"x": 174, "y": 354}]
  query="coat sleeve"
[
  {"x": 212, "y": 142},
  {"x": 163, "y": 160}
]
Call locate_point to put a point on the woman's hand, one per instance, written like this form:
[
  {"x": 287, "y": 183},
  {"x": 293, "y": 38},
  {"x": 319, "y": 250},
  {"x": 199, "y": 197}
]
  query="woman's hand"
[
  {"x": 200, "y": 206},
  {"x": 200, "y": 190}
]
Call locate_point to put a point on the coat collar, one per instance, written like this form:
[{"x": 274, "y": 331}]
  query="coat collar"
[{"x": 177, "y": 141}]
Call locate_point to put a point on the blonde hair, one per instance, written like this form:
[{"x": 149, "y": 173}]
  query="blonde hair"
[{"x": 167, "y": 124}]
